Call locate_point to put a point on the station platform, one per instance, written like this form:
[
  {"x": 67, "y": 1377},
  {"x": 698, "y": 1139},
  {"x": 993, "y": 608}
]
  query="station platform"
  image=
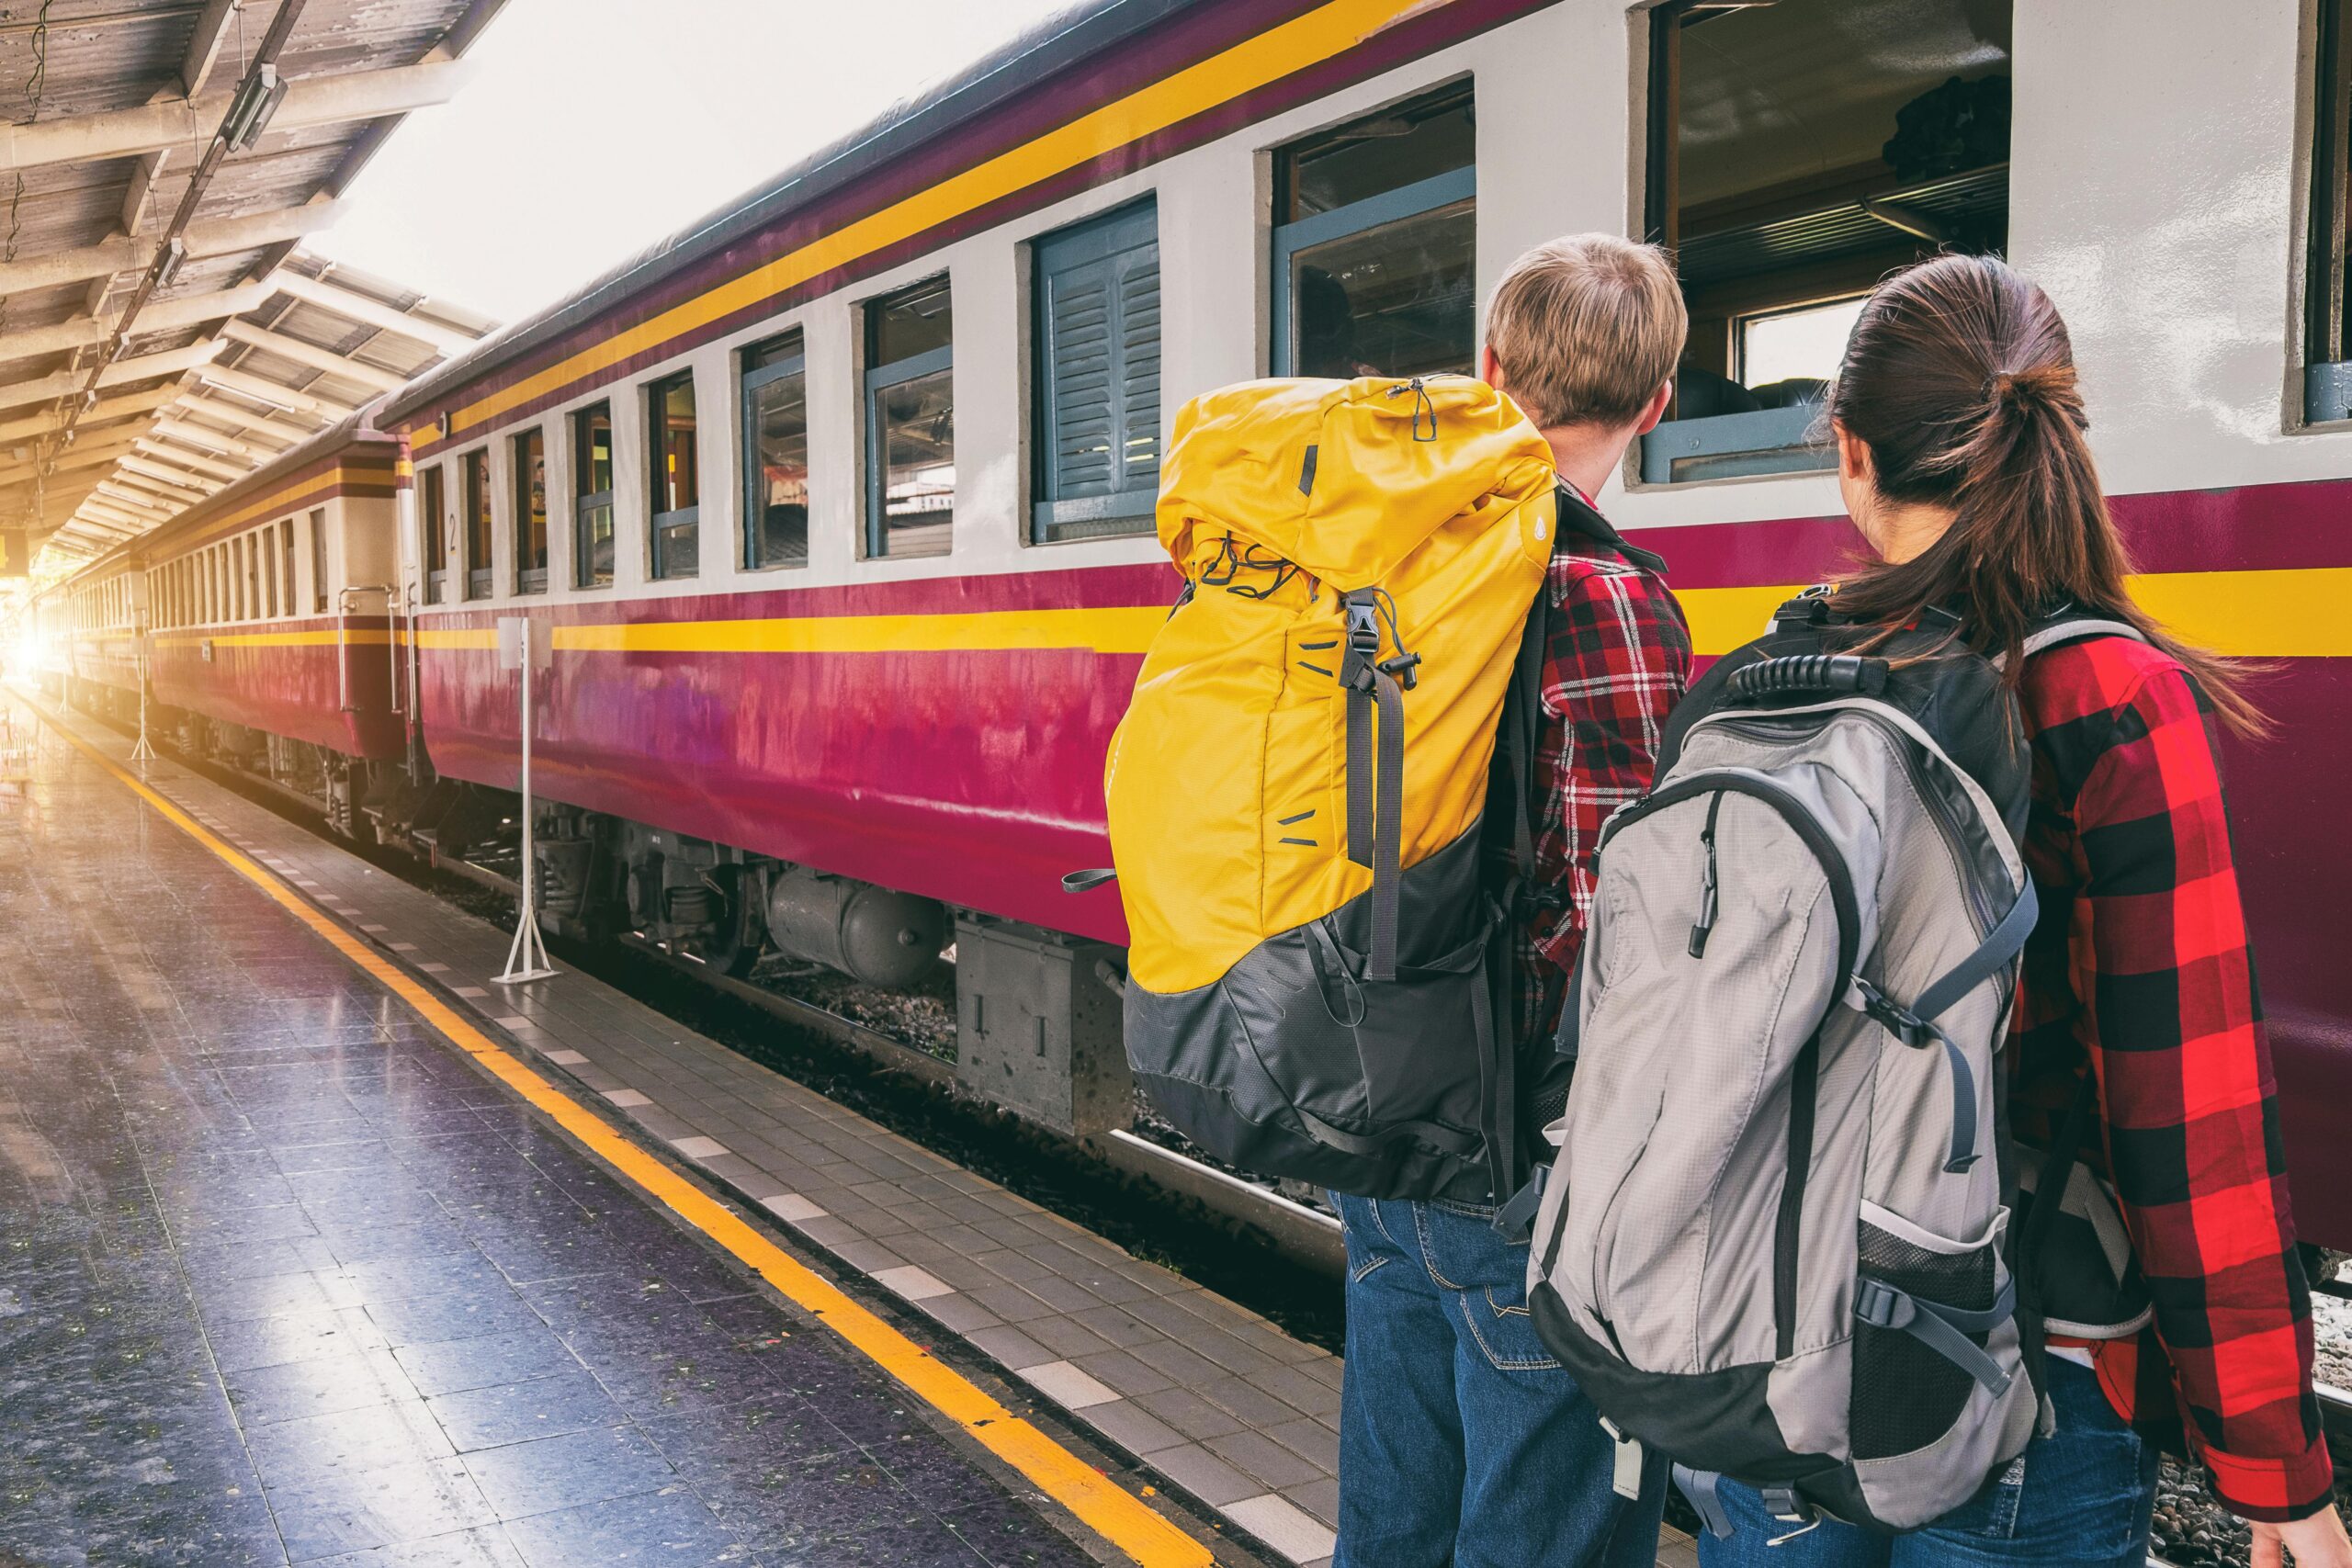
[{"x": 319, "y": 1246}]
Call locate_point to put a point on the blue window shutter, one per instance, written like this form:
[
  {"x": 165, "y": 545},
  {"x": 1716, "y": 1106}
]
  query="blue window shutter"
[{"x": 1098, "y": 427}]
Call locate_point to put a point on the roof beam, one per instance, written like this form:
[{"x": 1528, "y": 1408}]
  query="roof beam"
[
  {"x": 150, "y": 447},
  {"x": 195, "y": 436},
  {"x": 67, "y": 383},
  {"x": 219, "y": 237},
  {"x": 329, "y": 295},
  {"x": 205, "y": 44},
  {"x": 310, "y": 101},
  {"x": 311, "y": 355},
  {"x": 76, "y": 456},
  {"x": 262, "y": 390},
  {"x": 120, "y": 407},
  {"x": 163, "y": 478},
  {"x": 249, "y": 425},
  {"x": 139, "y": 502},
  {"x": 164, "y": 315}
]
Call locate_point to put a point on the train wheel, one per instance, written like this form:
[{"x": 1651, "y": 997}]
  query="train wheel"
[{"x": 737, "y": 947}]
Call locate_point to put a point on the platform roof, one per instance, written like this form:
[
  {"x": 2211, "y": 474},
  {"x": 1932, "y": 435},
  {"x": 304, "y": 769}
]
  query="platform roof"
[{"x": 161, "y": 332}]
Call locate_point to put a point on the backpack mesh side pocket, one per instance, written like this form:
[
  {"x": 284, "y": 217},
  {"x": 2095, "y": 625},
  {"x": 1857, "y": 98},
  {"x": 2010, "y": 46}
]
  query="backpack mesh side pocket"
[{"x": 1905, "y": 1394}]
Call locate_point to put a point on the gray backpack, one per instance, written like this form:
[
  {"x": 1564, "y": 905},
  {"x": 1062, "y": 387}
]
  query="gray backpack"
[{"x": 1772, "y": 1247}]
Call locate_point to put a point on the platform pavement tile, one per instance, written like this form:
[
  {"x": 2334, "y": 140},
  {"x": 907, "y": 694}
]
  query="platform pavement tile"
[
  {"x": 1283, "y": 1526},
  {"x": 566, "y": 1471},
  {"x": 1311, "y": 1441},
  {"x": 1255, "y": 1454},
  {"x": 329, "y": 1516},
  {"x": 960, "y": 1315},
  {"x": 1190, "y": 1414},
  {"x": 322, "y": 1386},
  {"x": 1204, "y": 1476},
  {"x": 294, "y": 1452},
  {"x": 294, "y": 1337},
  {"x": 451, "y": 1365},
  {"x": 510, "y": 1412},
  {"x": 1320, "y": 1498},
  {"x": 673, "y": 1528}
]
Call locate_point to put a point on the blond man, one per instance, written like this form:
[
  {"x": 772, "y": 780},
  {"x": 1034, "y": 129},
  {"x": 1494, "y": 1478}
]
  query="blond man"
[{"x": 1462, "y": 1441}]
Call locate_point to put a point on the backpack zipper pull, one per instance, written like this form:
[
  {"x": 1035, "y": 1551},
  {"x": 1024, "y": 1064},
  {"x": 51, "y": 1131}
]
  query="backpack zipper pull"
[{"x": 1701, "y": 931}]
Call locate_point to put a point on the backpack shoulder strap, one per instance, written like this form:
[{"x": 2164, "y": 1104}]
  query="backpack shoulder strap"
[{"x": 2068, "y": 626}]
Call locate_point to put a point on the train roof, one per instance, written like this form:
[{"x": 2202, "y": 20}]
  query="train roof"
[{"x": 1077, "y": 34}]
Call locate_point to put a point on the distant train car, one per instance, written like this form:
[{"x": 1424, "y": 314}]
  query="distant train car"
[
  {"x": 272, "y": 617},
  {"x": 88, "y": 637},
  {"x": 840, "y": 502}
]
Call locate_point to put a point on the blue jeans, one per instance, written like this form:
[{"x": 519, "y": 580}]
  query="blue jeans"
[
  {"x": 1462, "y": 1441},
  {"x": 2082, "y": 1498}
]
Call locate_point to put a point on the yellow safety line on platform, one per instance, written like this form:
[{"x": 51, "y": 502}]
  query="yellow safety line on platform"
[{"x": 1109, "y": 1511}]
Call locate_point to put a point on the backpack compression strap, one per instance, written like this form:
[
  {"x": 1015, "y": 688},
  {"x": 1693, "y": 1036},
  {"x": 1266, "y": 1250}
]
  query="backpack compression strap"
[
  {"x": 1376, "y": 786},
  {"x": 1916, "y": 1025}
]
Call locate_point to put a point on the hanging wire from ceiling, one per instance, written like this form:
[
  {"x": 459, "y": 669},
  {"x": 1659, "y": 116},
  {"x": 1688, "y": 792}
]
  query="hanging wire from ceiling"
[{"x": 35, "y": 84}]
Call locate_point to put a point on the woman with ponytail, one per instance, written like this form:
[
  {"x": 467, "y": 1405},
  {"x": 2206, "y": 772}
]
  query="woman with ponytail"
[{"x": 1962, "y": 457}]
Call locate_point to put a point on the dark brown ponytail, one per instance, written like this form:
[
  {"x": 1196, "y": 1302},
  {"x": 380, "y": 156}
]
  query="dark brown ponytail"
[{"x": 1960, "y": 378}]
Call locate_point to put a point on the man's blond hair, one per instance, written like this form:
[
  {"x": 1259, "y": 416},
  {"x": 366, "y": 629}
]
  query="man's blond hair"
[{"x": 1586, "y": 328}]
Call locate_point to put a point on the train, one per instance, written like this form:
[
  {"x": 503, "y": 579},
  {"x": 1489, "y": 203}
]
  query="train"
[{"x": 835, "y": 671}]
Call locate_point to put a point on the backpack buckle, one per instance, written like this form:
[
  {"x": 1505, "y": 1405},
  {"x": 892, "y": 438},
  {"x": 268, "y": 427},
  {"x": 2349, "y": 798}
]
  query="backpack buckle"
[
  {"x": 1404, "y": 667},
  {"x": 1363, "y": 626},
  {"x": 1880, "y": 1305},
  {"x": 1898, "y": 1020}
]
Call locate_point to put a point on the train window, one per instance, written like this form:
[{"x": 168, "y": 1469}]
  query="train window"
[
  {"x": 775, "y": 436},
  {"x": 286, "y": 562},
  {"x": 265, "y": 572},
  {"x": 1097, "y": 331},
  {"x": 592, "y": 496},
  {"x": 2328, "y": 346},
  {"x": 319, "y": 578},
  {"x": 431, "y": 510},
  {"x": 910, "y": 421},
  {"x": 1797, "y": 153},
  {"x": 1374, "y": 241},
  {"x": 475, "y": 480},
  {"x": 672, "y": 458},
  {"x": 531, "y": 453}
]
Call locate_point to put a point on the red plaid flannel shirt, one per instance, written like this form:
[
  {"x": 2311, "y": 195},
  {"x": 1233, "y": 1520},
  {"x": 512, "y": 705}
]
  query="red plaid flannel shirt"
[
  {"x": 1616, "y": 659},
  {"x": 2141, "y": 963}
]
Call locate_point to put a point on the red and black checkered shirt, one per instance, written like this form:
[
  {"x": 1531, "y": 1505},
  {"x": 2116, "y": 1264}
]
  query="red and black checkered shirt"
[
  {"x": 1616, "y": 659},
  {"x": 2141, "y": 964}
]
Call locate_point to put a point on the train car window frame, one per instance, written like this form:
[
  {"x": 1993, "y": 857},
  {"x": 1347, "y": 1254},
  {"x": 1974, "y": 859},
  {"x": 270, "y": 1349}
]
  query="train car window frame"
[
  {"x": 527, "y": 458},
  {"x": 286, "y": 565},
  {"x": 591, "y": 504},
  {"x": 2328, "y": 293},
  {"x": 764, "y": 366},
  {"x": 319, "y": 578},
  {"x": 432, "y": 527},
  {"x": 883, "y": 377},
  {"x": 480, "y": 527},
  {"x": 1761, "y": 241},
  {"x": 1095, "y": 343},
  {"x": 674, "y": 537},
  {"x": 1448, "y": 194}
]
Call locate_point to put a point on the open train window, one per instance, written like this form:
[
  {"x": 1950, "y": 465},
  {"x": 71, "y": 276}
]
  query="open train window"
[
  {"x": 1798, "y": 152},
  {"x": 1375, "y": 244},
  {"x": 676, "y": 467},
  {"x": 910, "y": 421},
  {"x": 475, "y": 479},
  {"x": 286, "y": 563},
  {"x": 530, "y": 453},
  {"x": 776, "y": 441},
  {"x": 2327, "y": 347},
  {"x": 319, "y": 559},
  {"x": 592, "y": 496},
  {"x": 1097, "y": 336},
  {"x": 433, "y": 530}
]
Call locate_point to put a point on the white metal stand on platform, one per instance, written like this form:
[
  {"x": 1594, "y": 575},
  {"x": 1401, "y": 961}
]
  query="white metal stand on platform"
[
  {"x": 526, "y": 644},
  {"x": 143, "y": 752}
]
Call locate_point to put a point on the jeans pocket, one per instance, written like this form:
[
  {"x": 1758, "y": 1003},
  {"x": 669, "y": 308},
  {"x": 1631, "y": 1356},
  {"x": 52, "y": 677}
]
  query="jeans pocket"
[{"x": 1500, "y": 1325}]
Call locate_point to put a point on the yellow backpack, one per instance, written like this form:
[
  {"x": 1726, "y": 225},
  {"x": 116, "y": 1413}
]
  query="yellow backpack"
[{"x": 1317, "y": 966}]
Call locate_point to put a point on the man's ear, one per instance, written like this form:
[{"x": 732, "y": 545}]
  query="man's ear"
[
  {"x": 1490, "y": 369},
  {"x": 1654, "y": 409}
]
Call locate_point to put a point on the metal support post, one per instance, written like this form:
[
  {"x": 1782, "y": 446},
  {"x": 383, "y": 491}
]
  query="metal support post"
[{"x": 527, "y": 643}]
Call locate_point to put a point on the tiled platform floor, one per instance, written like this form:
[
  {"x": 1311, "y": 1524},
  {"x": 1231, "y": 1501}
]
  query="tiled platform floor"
[
  {"x": 283, "y": 1277},
  {"x": 1214, "y": 1400}
]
